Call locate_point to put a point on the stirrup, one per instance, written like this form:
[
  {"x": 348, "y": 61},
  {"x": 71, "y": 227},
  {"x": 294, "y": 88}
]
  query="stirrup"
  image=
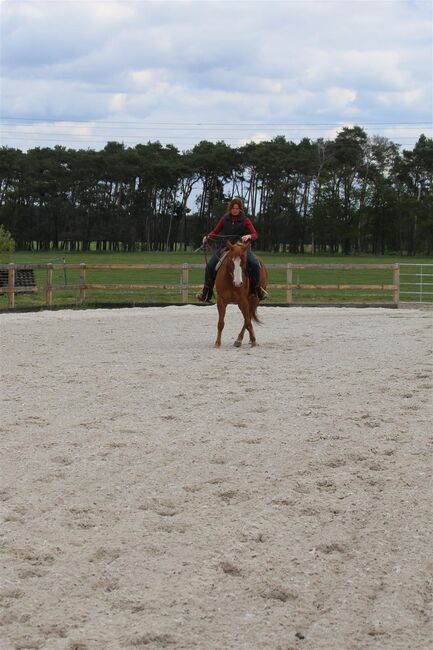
[
  {"x": 204, "y": 296},
  {"x": 261, "y": 293}
]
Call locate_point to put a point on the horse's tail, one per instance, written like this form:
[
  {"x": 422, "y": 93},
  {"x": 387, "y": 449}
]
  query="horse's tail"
[
  {"x": 263, "y": 282},
  {"x": 254, "y": 316}
]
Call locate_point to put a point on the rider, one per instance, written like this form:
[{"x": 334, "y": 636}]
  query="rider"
[{"x": 234, "y": 225}]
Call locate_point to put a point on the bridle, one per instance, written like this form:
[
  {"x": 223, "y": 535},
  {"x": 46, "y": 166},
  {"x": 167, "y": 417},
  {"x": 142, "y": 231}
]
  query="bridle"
[{"x": 242, "y": 260}]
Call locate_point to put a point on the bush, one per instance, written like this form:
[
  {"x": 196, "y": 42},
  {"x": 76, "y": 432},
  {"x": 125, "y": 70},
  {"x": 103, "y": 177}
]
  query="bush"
[{"x": 7, "y": 245}]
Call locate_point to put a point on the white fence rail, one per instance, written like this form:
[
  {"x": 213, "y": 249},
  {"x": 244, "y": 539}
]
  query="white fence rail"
[{"x": 416, "y": 282}]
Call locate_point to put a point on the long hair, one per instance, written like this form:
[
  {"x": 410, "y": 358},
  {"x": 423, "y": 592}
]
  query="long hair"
[{"x": 233, "y": 202}]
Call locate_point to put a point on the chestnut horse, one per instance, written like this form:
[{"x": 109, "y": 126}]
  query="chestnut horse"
[{"x": 233, "y": 287}]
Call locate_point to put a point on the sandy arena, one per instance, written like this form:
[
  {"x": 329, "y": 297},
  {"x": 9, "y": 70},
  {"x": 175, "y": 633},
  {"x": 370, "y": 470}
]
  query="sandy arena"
[{"x": 158, "y": 493}]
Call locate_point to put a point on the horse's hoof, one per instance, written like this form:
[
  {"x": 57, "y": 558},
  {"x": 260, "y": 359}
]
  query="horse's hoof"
[
  {"x": 237, "y": 344},
  {"x": 253, "y": 344},
  {"x": 217, "y": 345}
]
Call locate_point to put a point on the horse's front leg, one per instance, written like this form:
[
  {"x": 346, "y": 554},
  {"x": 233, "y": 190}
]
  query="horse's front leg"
[
  {"x": 240, "y": 338},
  {"x": 245, "y": 309},
  {"x": 221, "y": 313}
]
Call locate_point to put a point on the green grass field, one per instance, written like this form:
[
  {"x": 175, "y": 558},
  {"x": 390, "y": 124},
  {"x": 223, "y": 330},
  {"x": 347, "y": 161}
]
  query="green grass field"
[{"x": 70, "y": 297}]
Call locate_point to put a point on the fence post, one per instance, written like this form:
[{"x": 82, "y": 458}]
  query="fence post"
[
  {"x": 82, "y": 282},
  {"x": 11, "y": 285},
  {"x": 420, "y": 285},
  {"x": 289, "y": 282},
  {"x": 49, "y": 298},
  {"x": 185, "y": 282},
  {"x": 396, "y": 283}
]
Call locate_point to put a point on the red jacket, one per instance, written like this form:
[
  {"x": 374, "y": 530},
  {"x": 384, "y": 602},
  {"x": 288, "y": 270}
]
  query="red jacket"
[{"x": 248, "y": 226}]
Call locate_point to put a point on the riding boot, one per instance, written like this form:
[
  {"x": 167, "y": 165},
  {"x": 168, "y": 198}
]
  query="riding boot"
[
  {"x": 261, "y": 293},
  {"x": 256, "y": 289},
  {"x": 205, "y": 295}
]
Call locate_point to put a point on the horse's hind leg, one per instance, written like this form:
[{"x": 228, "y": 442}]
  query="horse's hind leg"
[{"x": 221, "y": 313}]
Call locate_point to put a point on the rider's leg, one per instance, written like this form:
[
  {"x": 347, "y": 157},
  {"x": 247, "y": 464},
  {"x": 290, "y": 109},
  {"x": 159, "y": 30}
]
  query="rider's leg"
[
  {"x": 205, "y": 295},
  {"x": 253, "y": 266}
]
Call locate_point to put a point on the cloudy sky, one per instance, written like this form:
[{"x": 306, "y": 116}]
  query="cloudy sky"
[{"x": 80, "y": 73}]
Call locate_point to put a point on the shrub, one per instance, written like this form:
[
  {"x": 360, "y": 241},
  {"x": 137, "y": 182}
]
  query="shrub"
[{"x": 7, "y": 245}]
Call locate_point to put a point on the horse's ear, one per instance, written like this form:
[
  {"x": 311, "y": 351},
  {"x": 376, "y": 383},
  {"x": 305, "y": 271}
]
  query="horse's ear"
[{"x": 230, "y": 245}]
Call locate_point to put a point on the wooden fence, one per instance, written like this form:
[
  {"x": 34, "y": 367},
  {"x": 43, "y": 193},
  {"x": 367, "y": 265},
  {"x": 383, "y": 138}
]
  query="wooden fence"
[{"x": 11, "y": 289}]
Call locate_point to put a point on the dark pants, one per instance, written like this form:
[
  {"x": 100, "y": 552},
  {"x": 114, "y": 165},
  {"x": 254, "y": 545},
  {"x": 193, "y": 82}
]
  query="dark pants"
[{"x": 253, "y": 269}]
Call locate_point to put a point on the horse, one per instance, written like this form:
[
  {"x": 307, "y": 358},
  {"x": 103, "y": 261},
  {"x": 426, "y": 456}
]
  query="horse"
[{"x": 233, "y": 287}]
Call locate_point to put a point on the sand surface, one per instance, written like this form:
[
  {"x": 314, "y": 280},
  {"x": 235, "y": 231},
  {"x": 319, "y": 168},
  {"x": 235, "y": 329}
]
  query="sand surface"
[{"x": 158, "y": 493}]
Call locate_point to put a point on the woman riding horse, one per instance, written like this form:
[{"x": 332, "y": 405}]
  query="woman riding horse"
[{"x": 234, "y": 225}]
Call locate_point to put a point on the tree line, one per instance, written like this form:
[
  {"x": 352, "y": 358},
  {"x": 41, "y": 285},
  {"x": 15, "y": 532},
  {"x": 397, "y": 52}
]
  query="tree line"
[{"x": 353, "y": 194}]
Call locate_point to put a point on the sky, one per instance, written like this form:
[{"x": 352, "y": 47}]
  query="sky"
[{"x": 81, "y": 73}]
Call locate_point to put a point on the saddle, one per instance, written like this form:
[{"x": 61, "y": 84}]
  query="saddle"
[{"x": 224, "y": 255}]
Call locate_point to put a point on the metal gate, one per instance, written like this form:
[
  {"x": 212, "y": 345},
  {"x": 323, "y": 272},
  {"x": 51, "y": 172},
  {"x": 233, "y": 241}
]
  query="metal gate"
[{"x": 416, "y": 282}]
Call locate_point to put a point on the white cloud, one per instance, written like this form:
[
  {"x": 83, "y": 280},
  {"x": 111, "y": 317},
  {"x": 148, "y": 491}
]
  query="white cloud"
[
  {"x": 111, "y": 12},
  {"x": 255, "y": 137},
  {"x": 142, "y": 79},
  {"x": 223, "y": 62},
  {"x": 340, "y": 97},
  {"x": 117, "y": 102},
  {"x": 408, "y": 99}
]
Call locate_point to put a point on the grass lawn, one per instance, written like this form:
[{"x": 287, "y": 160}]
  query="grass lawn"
[{"x": 70, "y": 297}]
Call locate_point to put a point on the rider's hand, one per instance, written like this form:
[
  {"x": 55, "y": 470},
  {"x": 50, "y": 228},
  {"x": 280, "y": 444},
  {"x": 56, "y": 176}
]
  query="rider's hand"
[
  {"x": 246, "y": 238},
  {"x": 205, "y": 238}
]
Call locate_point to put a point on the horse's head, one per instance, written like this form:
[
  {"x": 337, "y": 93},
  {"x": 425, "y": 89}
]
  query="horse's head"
[{"x": 238, "y": 256}]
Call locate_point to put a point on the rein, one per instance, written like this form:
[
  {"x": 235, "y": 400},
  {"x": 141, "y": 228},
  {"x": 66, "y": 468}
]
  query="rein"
[
  {"x": 205, "y": 247},
  {"x": 225, "y": 255}
]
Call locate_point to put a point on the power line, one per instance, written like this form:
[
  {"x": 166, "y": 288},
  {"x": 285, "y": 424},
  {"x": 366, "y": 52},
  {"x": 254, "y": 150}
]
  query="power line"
[
  {"x": 163, "y": 140},
  {"x": 97, "y": 129},
  {"x": 9, "y": 132},
  {"x": 129, "y": 137},
  {"x": 201, "y": 123}
]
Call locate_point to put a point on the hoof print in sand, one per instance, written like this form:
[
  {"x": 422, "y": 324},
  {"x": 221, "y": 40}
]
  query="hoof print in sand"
[
  {"x": 31, "y": 572},
  {"x": 278, "y": 593},
  {"x": 326, "y": 485},
  {"x": 28, "y": 644},
  {"x": 10, "y": 594},
  {"x": 162, "y": 507},
  {"x": 106, "y": 555},
  {"x": 5, "y": 495},
  {"x": 333, "y": 547},
  {"x": 283, "y": 501},
  {"x": 230, "y": 569},
  {"x": 231, "y": 497},
  {"x": 154, "y": 640}
]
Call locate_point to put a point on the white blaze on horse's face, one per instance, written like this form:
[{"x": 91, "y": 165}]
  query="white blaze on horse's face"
[{"x": 237, "y": 272}]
